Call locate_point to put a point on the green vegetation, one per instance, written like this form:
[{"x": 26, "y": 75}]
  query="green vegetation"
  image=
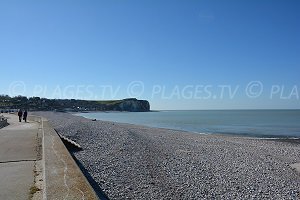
[
  {"x": 110, "y": 102},
  {"x": 44, "y": 104},
  {"x": 33, "y": 190}
]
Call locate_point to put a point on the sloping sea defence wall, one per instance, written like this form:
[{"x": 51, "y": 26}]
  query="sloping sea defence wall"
[{"x": 62, "y": 177}]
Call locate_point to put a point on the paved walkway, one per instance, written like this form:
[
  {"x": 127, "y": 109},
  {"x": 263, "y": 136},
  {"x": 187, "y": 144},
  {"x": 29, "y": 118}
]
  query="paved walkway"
[{"x": 18, "y": 144}]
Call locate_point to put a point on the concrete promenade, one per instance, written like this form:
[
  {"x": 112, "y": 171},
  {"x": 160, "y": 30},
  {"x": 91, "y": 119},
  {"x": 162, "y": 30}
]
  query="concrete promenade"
[
  {"x": 18, "y": 156},
  {"x": 35, "y": 164}
]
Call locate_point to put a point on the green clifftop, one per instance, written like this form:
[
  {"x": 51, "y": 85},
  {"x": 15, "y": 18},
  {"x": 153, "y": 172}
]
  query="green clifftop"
[{"x": 37, "y": 103}]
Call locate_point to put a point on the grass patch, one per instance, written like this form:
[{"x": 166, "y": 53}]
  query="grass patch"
[
  {"x": 109, "y": 102},
  {"x": 33, "y": 190}
]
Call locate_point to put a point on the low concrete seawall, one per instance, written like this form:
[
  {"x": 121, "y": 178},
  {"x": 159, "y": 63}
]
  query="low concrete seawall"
[{"x": 63, "y": 179}]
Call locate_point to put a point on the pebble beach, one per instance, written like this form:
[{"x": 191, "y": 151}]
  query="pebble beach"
[{"x": 137, "y": 162}]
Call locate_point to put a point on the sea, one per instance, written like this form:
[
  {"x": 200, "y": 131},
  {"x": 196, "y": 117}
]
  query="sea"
[{"x": 256, "y": 123}]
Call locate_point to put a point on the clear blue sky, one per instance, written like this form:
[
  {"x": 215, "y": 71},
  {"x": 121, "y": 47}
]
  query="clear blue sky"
[{"x": 74, "y": 49}]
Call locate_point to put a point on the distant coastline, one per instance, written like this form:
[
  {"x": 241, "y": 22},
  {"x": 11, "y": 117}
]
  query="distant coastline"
[{"x": 8, "y": 103}]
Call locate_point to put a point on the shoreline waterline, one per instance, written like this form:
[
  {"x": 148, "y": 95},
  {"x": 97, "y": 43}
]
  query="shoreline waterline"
[{"x": 243, "y": 123}]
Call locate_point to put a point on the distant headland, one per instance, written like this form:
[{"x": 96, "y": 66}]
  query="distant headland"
[{"x": 72, "y": 105}]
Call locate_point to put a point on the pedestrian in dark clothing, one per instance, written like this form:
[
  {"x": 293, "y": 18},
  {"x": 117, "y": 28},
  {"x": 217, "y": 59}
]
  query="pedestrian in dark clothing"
[
  {"x": 25, "y": 116},
  {"x": 20, "y": 113}
]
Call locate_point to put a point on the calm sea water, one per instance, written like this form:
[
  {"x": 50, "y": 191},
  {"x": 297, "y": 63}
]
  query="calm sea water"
[{"x": 267, "y": 123}]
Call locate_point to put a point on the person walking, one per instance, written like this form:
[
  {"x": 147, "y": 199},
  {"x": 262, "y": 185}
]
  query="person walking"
[
  {"x": 25, "y": 116},
  {"x": 20, "y": 113}
]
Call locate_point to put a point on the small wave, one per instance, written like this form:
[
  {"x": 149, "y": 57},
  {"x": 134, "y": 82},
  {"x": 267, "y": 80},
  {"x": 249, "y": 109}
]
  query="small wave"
[
  {"x": 278, "y": 138},
  {"x": 201, "y": 133}
]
